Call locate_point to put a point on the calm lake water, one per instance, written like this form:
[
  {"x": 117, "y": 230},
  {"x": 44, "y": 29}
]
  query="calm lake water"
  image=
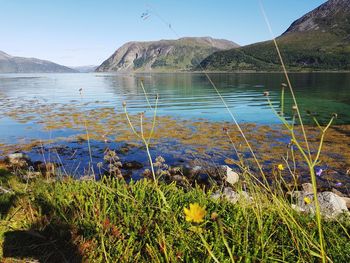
[{"x": 184, "y": 96}]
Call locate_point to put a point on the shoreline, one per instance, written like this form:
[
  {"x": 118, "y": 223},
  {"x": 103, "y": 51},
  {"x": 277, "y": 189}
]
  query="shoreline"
[{"x": 182, "y": 72}]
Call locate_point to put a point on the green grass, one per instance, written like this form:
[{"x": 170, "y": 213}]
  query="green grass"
[{"x": 111, "y": 221}]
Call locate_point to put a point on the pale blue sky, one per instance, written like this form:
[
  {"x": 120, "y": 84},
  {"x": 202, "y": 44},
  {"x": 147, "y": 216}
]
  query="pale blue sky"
[{"x": 86, "y": 32}]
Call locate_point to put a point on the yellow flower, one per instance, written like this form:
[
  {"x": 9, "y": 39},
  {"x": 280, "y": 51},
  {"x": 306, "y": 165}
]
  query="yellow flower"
[
  {"x": 280, "y": 167},
  {"x": 196, "y": 213},
  {"x": 307, "y": 200}
]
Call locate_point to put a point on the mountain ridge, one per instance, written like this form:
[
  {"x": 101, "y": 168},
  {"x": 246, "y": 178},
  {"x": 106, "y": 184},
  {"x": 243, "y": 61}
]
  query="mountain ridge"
[
  {"x": 319, "y": 40},
  {"x": 14, "y": 64},
  {"x": 163, "y": 55}
]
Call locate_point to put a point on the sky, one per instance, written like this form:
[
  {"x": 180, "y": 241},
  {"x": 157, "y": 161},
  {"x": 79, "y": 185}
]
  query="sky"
[{"x": 86, "y": 32}]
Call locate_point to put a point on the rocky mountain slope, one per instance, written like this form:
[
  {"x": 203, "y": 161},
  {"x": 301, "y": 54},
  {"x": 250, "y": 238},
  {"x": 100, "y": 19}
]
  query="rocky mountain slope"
[
  {"x": 10, "y": 64},
  {"x": 164, "y": 55},
  {"x": 320, "y": 40}
]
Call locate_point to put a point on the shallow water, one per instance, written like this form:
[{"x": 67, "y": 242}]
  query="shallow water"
[
  {"x": 188, "y": 96},
  {"x": 41, "y": 107}
]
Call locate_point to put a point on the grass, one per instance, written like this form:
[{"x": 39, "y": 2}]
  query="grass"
[{"x": 112, "y": 221}]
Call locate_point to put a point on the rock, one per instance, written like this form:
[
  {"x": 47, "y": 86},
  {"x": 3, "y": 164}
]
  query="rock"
[
  {"x": 331, "y": 205},
  {"x": 15, "y": 156},
  {"x": 175, "y": 170},
  {"x": 231, "y": 176},
  {"x": 132, "y": 165},
  {"x": 230, "y": 195},
  {"x": 18, "y": 160},
  {"x": 196, "y": 170},
  {"x": 87, "y": 178},
  {"x": 338, "y": 192},
  {"x": 298, "y": 208},
  {"x": 178, "y": 178},
  {"x": 347, "y": 201},
  {"x": 46, "y": 169},
  {"x": 308, "y": 188}
]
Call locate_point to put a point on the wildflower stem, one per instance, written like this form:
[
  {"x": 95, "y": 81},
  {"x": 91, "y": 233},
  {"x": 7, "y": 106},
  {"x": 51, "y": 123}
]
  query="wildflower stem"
[
  {"x": 225, "y": 241},
  {"x": 91, "y": 167},
  {"x": 287, "y": 78},
  {"x": 282, "y": 101},
  {"x": 321, "y": 141},
  {"x": 318, "y": 213},
  {"x": 206, "y": 245},
  {"x": 144, "y": 91},
  {"x": 154, "y": 119},
  {"x": 130, "y": 124}
]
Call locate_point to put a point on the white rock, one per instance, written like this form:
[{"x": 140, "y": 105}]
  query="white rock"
[
  {"x": 331, "y": 205},
  {"x": 230, "y": 195},
  {"x": 15, "y": 156},
  {"x": 231, "y": 176},
  {"x": 347, "y": 201},
  {"x": 298, "y": 208}
]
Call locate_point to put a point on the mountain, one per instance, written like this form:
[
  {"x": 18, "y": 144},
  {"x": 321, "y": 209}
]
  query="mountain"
[
  {"x": 85, "y": 69},
  {"x": 164, "y": 55},
  {"x": 320, "y": 40},
  {"x": 10, "y": 64}
]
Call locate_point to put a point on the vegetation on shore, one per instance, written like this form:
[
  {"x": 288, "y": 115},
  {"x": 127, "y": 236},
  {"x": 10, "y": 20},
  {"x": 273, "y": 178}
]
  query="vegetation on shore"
[{"x": 109, "y": 220}]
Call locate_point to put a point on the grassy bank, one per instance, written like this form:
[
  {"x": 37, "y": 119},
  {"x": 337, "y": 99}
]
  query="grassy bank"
[{"x": 111, "y": 221}]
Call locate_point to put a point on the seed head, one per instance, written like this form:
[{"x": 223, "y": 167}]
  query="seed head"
[{"x": 214, "y": 216}]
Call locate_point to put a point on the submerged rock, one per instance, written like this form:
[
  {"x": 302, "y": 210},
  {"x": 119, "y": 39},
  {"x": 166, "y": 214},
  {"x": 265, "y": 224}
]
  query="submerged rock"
[{"x": 132, "y": 165}]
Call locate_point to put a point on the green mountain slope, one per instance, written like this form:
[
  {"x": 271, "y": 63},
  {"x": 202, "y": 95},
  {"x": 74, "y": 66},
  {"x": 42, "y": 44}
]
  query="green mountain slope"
[
  {"x": 320, "y": 40},
  {"x": 164, "y": 55}
]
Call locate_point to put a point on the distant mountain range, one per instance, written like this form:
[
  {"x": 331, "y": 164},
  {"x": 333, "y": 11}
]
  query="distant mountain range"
[
  {"x": 165, "y": 55},
  {"x": 11, "y": 64},
  {"x": 85, "y": 69},
  {"x": 320, "y": 40}
]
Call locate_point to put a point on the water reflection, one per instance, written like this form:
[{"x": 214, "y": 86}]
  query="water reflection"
[{"x": 189, "y": 95}]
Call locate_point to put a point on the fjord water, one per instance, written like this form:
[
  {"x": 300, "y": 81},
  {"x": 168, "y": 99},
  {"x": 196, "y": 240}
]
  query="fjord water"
[{"x": 184, "y": 96}]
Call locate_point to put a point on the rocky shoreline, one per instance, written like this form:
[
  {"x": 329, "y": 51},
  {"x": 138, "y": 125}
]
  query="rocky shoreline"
[{"x": 233, "y": 185}]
